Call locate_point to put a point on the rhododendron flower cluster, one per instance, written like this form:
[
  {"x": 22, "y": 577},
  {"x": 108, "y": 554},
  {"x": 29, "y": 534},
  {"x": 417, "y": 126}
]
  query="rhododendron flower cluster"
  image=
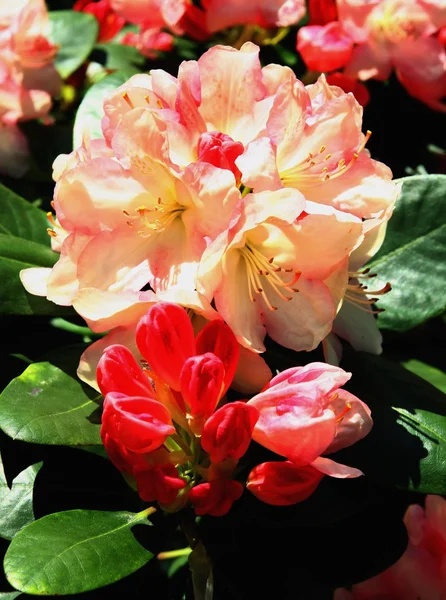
[
  {"x": 421, "y": 571},
  {"x": 200, "y": 21},
  {"x": 28, "y": 78},
  {"x": 166, "y": 424},
  {"x": 370, "y": 38},
  {"x": 234, "y": 191}
]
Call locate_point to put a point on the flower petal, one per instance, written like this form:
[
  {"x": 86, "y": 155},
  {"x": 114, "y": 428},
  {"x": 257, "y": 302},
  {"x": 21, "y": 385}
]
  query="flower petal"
[{"x": 333, "y": 469}]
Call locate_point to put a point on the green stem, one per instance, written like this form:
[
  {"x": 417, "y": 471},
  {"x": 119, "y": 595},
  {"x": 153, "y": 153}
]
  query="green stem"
[{"x": 174, "y": 553}]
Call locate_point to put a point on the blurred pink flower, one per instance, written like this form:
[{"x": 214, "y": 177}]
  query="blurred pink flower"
[
  {"x": 400, "y": 35},
  {"x": 420, "y": 574},
  {"x": 28, "y": 78}
]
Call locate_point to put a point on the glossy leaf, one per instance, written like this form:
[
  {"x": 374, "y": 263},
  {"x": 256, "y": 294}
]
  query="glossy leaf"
[
  {"x": 24, "y": 242},
  {"x": 412, "y": 256},
  {"x": 431, "y": 374},
  {"x": 44, "y": 405},
  {"x": 16, "y": 503},
  {"x": 75, "y": 33},
  {"x": 407, "y": 445},
  {"x": 21, "y": 219},
  {"x": 9, "y": 595},
  {"x": 121, "y": 56},
  {"x": 78, "y": 550},
  {"x": 17, "y": 254},
  {"x": 90, "y": 112}
]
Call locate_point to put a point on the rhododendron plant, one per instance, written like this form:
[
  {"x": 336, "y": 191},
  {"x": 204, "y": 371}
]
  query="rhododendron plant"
[{"x": 223, "y": 264}]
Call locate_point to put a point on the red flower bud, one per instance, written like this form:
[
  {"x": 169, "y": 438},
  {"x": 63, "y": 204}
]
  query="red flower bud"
[
  {"x": 138, "y": 424},
  {"x": 227, "y": 433},
  {"x": 160, "y": 483},
  {"x": 282, "y": 483},
  {"x": 165, "y": 338},
  {"x": 119, "y": 371},
  {"x": 322, "y": 11},
  {"x": 202, "y": 385},
  {"x": 324, "y": 47},
  {"x": 123, "y": 459},
  {"x": 109, "y": 22},
  {"x": 216, "y": 497},
  {"x": 220, "y": 150},
  {"x": 217, "y": 337}
]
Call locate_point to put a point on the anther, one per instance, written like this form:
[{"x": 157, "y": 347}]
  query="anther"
[
  {"x": 328, "y": 156},
  {"x": 321, "y": 149}
]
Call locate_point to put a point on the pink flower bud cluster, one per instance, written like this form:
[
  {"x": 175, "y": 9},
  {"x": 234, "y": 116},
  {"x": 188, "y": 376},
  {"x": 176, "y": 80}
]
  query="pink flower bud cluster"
[
  {"x": 28, "y": 78},
  {"x": 166, "y": 422},
  {"x": 369, "y": 39}
]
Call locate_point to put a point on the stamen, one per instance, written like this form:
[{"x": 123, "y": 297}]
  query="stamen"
[
  {"x": 126, "y": 97},
  {"x": 51, "y": 232},
  {"x": 347, "y": 408}
]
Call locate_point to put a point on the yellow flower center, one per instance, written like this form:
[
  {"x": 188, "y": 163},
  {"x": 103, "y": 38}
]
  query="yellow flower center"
[
  {"x": 314, "y": 169},
  {"x": 257, "y": 267}
]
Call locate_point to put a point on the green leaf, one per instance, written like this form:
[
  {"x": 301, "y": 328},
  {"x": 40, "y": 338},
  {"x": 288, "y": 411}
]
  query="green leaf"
[
  {"x": 407, "y": 445},
  {"x": 412, "y": 256},
  {"x": 17, "y": 254},
  {"x": 90, "y": 112},
  {"x": 44, "y": 405},
  {"x": 16, "y": 504},
  {"x": 122, "y": 57},
  {"x": 432, "y": 375},
  {"x": 22, "y": 219},
  {"x": 77, "y": 551},
  {"x": 75, "y": 33},
  {"x": 24, "y": 242},
  {"x": 9, "y": 595}
]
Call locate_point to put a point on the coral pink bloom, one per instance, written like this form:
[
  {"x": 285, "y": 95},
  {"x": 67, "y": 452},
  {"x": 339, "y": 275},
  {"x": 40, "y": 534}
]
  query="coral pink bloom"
[
  {"x": 315, "y": 145},
  {"x": 324, "y": 47},
  {"x": 265, "y": 274},
  {"x": 420, "y": 574},
  {"x": 304, "y": 413},
  {"x": 137, "y": 225},
  {"x": 215, "y": 497},
  {"x": 282, "y": 483},
  {"x": 109, "y": 22},
  {"x": 398, "y": 34},
  {"x": 265, "y": 13}
]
